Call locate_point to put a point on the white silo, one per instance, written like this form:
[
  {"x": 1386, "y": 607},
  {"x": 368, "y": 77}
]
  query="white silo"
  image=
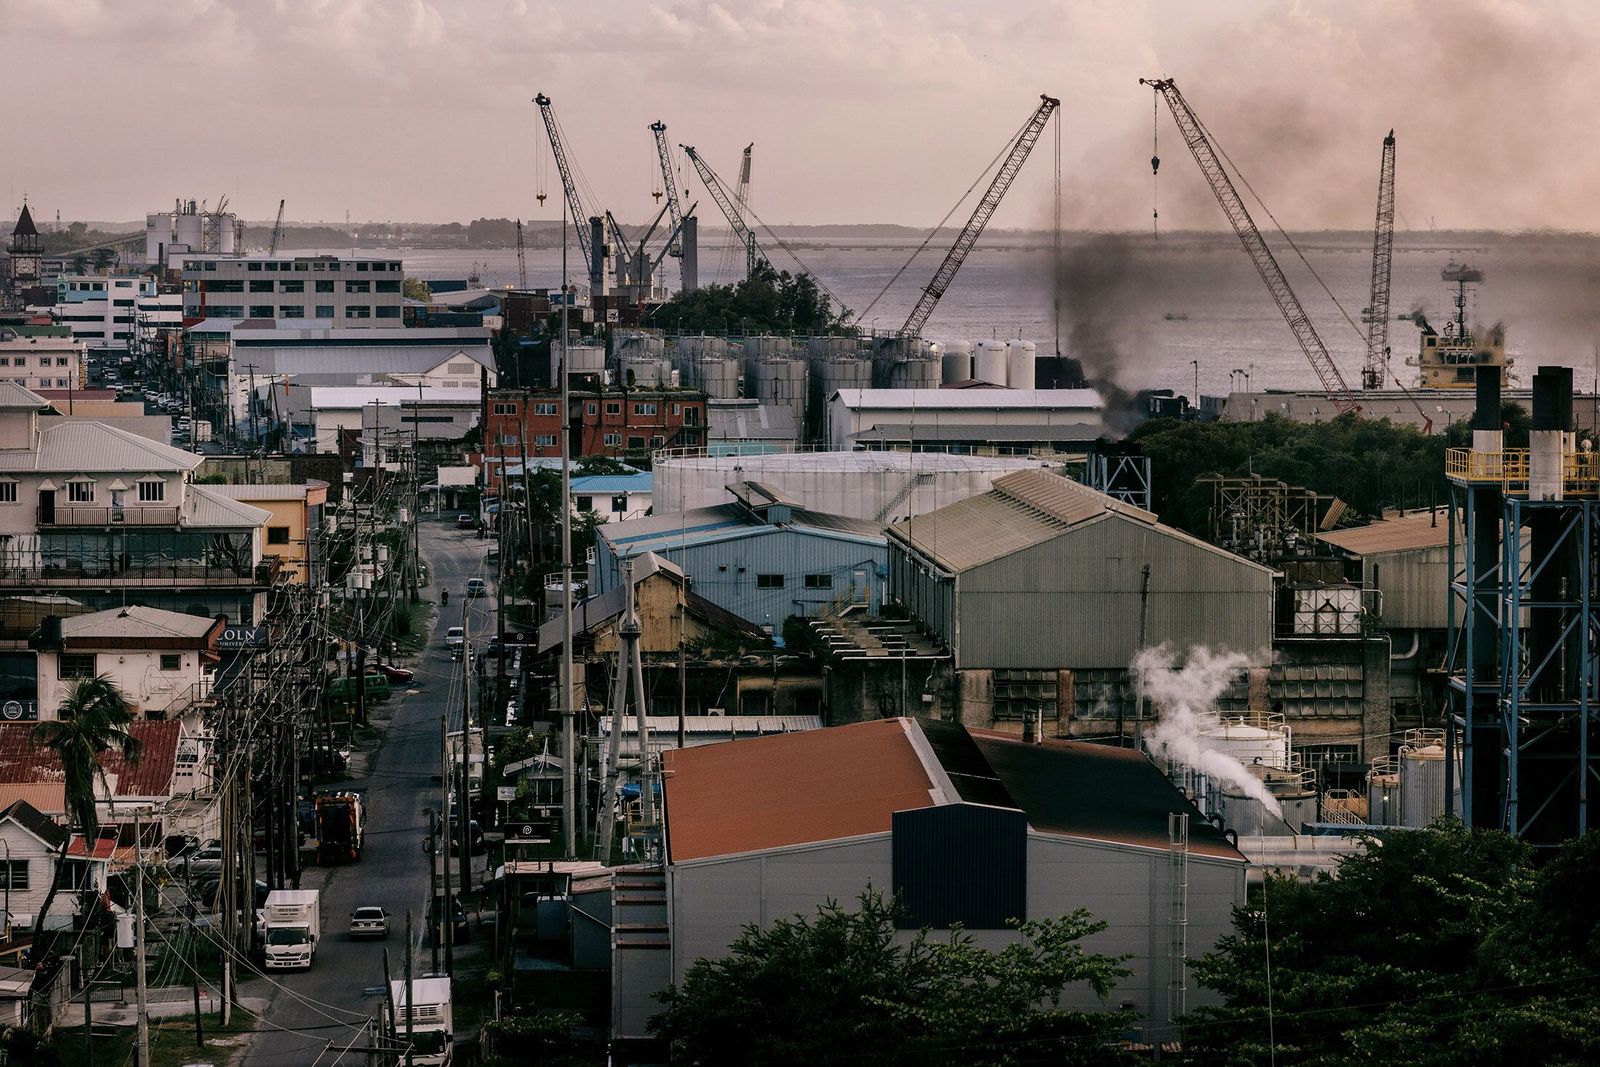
[
  {"x": 190, "y": 230},
  {"x": 718, "y": 378},
  {"x": 1019, "y": 364},
  {"x": 157, "y": 235},
  {"x": 227, "y": 233},
  {"x": 990, "y": 364},
  {"x": 820, "y": 348},
  {"x": 956, "y": 363},
  {"x": 778, "y": 381},
  {"x": 1421, "y": 773}
]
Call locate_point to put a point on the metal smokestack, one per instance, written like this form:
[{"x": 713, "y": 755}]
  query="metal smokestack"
[
  {"x": 1482, "y": 730},
  {"x": 1555, "y": 572}
]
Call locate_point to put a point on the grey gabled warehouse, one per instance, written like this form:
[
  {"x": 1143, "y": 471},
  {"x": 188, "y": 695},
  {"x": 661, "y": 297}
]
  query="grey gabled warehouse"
[{"x": 1043, "y": 573}]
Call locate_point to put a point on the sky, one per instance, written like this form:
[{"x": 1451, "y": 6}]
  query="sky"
[{"x": 860, "y": 112}]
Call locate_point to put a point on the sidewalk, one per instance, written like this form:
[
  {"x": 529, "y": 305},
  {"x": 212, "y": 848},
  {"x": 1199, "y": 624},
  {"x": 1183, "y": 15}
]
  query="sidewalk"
[{"x": 165, "y": 1003}]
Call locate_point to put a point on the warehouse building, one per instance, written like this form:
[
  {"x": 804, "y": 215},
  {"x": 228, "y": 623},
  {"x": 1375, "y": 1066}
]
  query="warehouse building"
[
  {"x": 1043, "y": 590},
  {"x": 1012, "y": 419},
  {"x": 965, "y": 826},
  {"x": 760, "y": 556}
]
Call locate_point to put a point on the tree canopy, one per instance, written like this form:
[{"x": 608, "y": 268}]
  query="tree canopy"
[
  {"x": 769, "y": 301},
  {"x": 840, "y": 987},
  {"x": 1439, "y": 946}
]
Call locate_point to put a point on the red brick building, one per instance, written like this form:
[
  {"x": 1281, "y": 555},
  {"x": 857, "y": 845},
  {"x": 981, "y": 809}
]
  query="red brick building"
[{"x": 621, "y": 423}]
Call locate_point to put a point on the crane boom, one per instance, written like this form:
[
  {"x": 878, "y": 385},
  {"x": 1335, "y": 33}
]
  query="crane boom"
[
  {"x": 719, "y": 193},
  {"x": 277, "y": 232},
  {"x": 935, "y": 290},
  {"x": 1255, "y": 245},
  {"x": 580, "y": 218},
  {"x": 670, "y": 185},
  {"x": 522, "y": 260},
  {"x": 677, "y": 232},
  {"x": 741, "y": 200},
  {"x": 1377, "y": 316}
]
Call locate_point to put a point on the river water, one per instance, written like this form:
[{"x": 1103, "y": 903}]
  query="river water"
[{"x": 1151, "y": 312}]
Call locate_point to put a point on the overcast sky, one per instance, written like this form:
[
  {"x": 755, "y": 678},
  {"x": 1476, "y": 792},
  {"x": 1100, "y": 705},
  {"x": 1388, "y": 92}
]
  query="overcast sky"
[{"x": 882, "y": 111}]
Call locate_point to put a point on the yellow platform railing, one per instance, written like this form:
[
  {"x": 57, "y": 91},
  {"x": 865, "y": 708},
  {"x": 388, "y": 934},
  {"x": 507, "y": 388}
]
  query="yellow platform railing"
[{"x": 1509, "y": 469}]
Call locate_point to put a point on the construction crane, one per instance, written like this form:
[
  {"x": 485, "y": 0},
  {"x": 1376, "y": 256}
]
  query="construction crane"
[
  {"x": 522, "y": 260},
  {"x": 1377, "y": 314},
  {"x": 670, "y": 187},
  {"x": 730, "y": 211},
  {"x": 1015, "y": 158},
  {"x": 277, "y": 232},
  {"x": 580, "y": 217},
  {"x": 1255, "y": 245}
]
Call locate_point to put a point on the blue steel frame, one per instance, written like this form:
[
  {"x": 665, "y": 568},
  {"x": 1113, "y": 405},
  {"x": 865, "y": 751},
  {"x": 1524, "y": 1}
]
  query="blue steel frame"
[{"x": 1505, "y": 592}]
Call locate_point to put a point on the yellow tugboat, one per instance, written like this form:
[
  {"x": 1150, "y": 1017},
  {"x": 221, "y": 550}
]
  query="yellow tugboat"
[{"x": 1449, "y": 359}]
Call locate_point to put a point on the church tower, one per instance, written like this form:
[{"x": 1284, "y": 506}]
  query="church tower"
[{"x": 26, "y": 254}]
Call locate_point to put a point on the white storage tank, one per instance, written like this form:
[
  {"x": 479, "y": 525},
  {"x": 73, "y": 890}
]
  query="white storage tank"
[
  {"x": 778, "y": 381},
  {"x": 227, "y": 231},
  {"x": 692, "y": 348},
  {"x": 718, "y": 378},
  {"x": 644, "y": 372},
  {"x": 989, "y": 365},
  {"x": 1265, "y": 745},
  {"x": 956, "y": 363},
  {"x": 914, "y": 372},
  {"x": 1019, "y": 364},
  {"x": 766, "y": 347},
  {"x": 820, "y": 348},
  {"x": 583, "y": 359},
  {"x": 1383, "y": 793},
  {"x": 1421, "y": 778},
  {"x": 189, "y": 231}
]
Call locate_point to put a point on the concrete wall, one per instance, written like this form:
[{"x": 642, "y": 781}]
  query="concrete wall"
[
  {"x": 149, "y": 689},
  {"x": 1125, "y": 887}
]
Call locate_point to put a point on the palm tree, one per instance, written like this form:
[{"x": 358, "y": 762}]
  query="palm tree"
[{"x": 92, "y": 720}]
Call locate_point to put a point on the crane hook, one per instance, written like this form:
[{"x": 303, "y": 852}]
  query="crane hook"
[{"x": 1155, "y": 164}]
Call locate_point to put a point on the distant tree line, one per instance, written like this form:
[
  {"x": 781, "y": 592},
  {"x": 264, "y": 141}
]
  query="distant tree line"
[{"x": 769, "y": 301}]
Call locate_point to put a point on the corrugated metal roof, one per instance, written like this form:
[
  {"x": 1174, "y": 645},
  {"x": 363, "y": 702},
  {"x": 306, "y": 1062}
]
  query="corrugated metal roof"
[
  {"x": 14, "y": 397},
  {"x": 23, "y": 761},
  {"x": 137, "y": 621},
  {"x": 613, "y": 483},
  {"x": 273, "y": 491},
  {"x": 70, "y": 447},
  {"x": 338, "y": 397},
  {"x": 720, "y": 522},
  {"x": 1040, "y": 431},
  {"x": 32, "y": 805},
  {"x": 205, "y": 508},
  {"x": 979, "y": 399},
  {"x": 1421, "y": 529},
  {"x": 791, "y": 789}
]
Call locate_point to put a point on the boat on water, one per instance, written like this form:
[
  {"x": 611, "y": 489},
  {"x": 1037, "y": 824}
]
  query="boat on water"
[{"x": 1449, "y": 358}]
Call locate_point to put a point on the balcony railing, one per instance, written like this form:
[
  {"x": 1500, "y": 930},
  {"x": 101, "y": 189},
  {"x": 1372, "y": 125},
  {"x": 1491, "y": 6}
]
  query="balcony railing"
[
  {"x": 150, "y": 575},
  {"x": 1510, "y": 469},
  {"x": 105, "y": 515}
]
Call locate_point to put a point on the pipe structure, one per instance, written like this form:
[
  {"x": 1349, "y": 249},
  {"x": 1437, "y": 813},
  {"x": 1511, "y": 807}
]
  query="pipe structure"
[{"x": 1482, "y": 793}]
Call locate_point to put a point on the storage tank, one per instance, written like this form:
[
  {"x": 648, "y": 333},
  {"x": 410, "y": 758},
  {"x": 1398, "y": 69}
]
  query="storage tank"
[
  {"x": 766, "y": 347},
  {"x": 227, "y": 233},
  {"x": 692, "y": 348},
  {"x": 778, "y": 381},
  {"x": 1383, "y": 792},
  {"x": 644, "y": 372},
  {"x": 956, "y": 363},
  {"x": 190, "y": 230},
  {"x": 1019, "y": 364},
  {"x": 821, "y": 348},
  {"x": 828, "y": 376},
  {"x": 718, "y": 378},
  {"x": 157, "y": 235},
  {"x": 915, "y": 372},
  {"x": 1421, "y": 770},
  {"x": 584, "y": 359},
  {"x": 989, "y": 365},
  {"x": 1264, "y": 744}
]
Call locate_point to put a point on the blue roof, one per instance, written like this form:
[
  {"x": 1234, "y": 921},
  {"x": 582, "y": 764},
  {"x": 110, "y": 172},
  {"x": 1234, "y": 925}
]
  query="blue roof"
[{"x": 614, "y": 483}]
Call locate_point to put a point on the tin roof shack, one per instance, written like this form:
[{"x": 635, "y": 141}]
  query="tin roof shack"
[
  {"x": 966, "y": 826},
  {"x": 1044, "y": 589}
]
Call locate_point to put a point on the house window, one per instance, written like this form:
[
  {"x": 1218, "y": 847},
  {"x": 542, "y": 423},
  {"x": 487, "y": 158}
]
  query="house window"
[
  {"x": 324, "y": 286},
  {"x": 277, "y": 535},
  {"x": 261, "y": 311},
  {"x": 613, "y": 438},
  {"x": 691, "y": 416},
  {"x": 61, "y": 361},
  {"x": 769, "y": 581},
  {"x": 676, "y": 408},
  {"x": 171, "y": 662},
  {"x": 16, "y": 873},
  {"x": 613, "y": 408},
  {"x": 545, "y": 440},
  {"x": 80, "y": 492},
  {"x": 77, "y": 665},
  {"x": 292, "y": 311},
  {"x": 152, "y": 492},
  {"x": 357, "y": 287},
  {"x": 8, "y": 492},
  {"x": 506, "y": 439},
  {"x": 77, "y": 875},
  {"x": 296, "y": 285},
  {"x": 388, "y": 311},
  {"x": 358, "y": 311},
  {"x": 586, "y": 503},
  {"x": 644, "y": 409},
  {"x": 819, "y": 581},
  {"x": 388, "y": 287},
  {"x": 590, "y": 408},
  {"x": 635, "y": 442},
  {"x": 261, "y": 285},
  {"x": 657, "y": 441},
  {"x": 619, "y": 504},
  {"x": 503, "y": 408},
  {"x": 544, "y": 409},
  {"x": 324, "y": 311}
]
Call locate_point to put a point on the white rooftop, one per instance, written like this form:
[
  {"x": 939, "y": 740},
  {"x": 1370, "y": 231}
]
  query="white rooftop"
[
  {"x": 136, "y": 621},
  {"x": 979, "y": 399},
  {"x": 390, "y": 396},
  {"x": 71, "y": 447}
]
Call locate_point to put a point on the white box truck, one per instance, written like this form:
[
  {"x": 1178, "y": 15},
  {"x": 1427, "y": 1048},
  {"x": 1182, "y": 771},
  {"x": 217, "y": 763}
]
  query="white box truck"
[
  {"x": 430, "y": 1020},
  {"x": 294, "y": 924}
]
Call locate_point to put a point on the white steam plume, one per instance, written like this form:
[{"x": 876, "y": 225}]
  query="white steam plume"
[{"x": 1185, "y": 700}]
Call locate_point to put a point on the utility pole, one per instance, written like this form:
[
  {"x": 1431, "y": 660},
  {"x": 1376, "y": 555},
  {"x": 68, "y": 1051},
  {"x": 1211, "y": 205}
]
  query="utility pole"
[
  {"x": 194, "y": 974},
  {"x": 444, "y": 915},
  {"x": 466, "y": 746},
  {"x": 433, "y": 882},
  {"x": 409, "y": 945},
  {"x": 142, "y": 1042},
  {"x": 385, "y": 1034},
  {"x": 569, "y": 741}
]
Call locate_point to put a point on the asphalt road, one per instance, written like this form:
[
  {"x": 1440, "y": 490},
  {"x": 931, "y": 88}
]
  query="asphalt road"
[{"x": 316, "y": 1015}]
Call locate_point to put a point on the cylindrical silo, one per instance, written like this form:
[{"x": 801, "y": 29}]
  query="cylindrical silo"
[
  {"x": 914, "y": 372},
  {"x": 1422, "y": 779},
  {"x": 718, "y": 378},
  {"x": 990, "y": 362},
  {"x": 157, "y": 235},
  {"x": 227, "y": 231},
  {"x": 1019, "y": 364},
  {"x": 644, "y": 372},
  {"x": 821, "y": 348},
  {"x": 189, "y": 231},
  {"x": 766, "y": 347},
  {"x": 778, "y": 381},
  {"x": 828, "y": 376},
  {"x": 956, "y": 363}
]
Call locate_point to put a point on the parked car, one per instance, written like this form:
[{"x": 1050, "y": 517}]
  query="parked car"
[
  {"x": 476, "y": 587},
  {"x": 455, "y": 639},
  {"x": 466, "y": 521},
  {"x": 205, "y": 891},
  {"x": 207, "y": 861},
  {"x": 458, "y": 918},
  {"x": 369, "y": 922},
  {"x": 396, "y": 675}
]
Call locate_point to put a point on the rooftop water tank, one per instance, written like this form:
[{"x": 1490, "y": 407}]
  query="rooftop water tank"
[
  {"x": 990, "y": 363},
  {"x": 1019, "y": 364}
]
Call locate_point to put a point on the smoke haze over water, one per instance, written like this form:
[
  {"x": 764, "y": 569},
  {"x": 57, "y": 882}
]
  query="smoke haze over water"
[{"x": 1185, "y": 700}]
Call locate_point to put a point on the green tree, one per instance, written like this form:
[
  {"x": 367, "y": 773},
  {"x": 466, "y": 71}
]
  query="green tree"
[
  {"x": 416, "y": 289},
  {"x": 842, "y": 987},
  {"x": 768, "y": 301},
  {"x": 1438, "y": 946},
  {"x": 91, "y": 721}
]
